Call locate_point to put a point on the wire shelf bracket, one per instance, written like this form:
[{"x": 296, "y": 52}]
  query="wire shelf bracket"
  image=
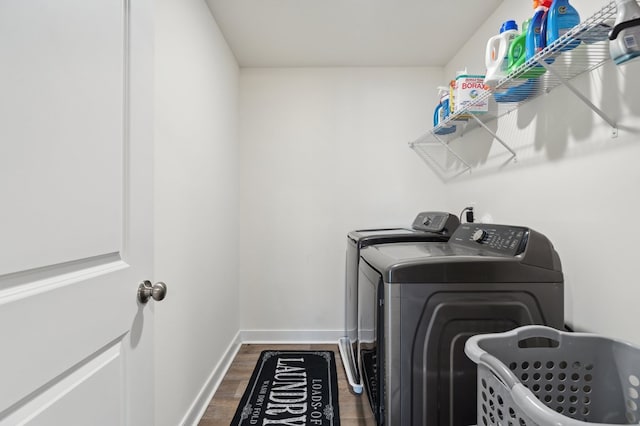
[{"x": 583, "y": 98}]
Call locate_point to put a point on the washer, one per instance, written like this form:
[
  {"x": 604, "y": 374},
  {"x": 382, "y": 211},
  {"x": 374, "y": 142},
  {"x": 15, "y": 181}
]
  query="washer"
[
  {"x": 426, "y": 227},
  {"x": 419, "y": 302}
]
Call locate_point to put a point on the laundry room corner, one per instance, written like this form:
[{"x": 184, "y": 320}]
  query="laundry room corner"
[
  {"x": 196, "y": 209},
  {"x": 323, "y": 151}
]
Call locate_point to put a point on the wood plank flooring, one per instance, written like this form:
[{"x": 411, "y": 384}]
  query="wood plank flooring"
[{"x": 353, "y": 411}]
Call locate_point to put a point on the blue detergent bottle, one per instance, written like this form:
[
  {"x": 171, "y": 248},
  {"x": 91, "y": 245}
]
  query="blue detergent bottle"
[
  {"x": 561, "y": 18},
  {"x": 536, "y": 39},
  {"x": 543, "y": 32}
]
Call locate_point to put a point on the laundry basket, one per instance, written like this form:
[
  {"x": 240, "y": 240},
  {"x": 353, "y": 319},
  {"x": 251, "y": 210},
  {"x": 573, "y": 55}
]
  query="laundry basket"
[{"x": 536, "y": 375}]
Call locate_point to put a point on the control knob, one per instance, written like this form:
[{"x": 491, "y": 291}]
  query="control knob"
[{"x": 479, "y": 236}]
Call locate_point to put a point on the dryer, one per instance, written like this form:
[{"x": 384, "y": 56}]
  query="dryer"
[
  {"x": 426, "y": 227},
  {"x": 418, "y": 303}
]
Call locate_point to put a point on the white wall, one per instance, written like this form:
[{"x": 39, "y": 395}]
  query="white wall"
[
  {"x": 196, "y": 206},
  {"x": 572, "y": 182},
  {"x": 323, "y": 151}
]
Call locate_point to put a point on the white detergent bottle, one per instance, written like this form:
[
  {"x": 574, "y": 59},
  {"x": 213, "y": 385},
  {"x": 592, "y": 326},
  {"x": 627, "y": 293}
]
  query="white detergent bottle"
[{"x": 496, "y": 56}]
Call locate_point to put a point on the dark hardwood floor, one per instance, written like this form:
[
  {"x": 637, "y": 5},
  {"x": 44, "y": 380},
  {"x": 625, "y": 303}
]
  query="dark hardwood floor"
[{"x": 222, "y": 407}]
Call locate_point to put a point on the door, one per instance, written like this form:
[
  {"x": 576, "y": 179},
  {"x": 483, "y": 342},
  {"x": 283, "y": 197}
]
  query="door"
[{"x": 75, "y": 212}]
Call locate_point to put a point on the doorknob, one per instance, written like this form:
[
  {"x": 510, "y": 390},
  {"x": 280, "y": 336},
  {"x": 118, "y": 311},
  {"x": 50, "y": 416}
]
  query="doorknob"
[{"x": 157, "y": 291}]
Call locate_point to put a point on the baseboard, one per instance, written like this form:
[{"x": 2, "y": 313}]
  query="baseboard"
[
  {"x": 199, "y": 406},
  {"x": 291, "y": 336}
]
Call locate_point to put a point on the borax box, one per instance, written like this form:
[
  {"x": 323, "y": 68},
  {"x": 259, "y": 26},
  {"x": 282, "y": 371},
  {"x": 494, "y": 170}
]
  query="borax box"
[{"x": 466, "y": 91}]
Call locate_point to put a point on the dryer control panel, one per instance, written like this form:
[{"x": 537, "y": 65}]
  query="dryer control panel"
[{"x": 505, "y": 239}]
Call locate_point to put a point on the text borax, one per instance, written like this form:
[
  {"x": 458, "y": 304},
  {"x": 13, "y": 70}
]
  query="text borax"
[{"x": 473, "y": 85}]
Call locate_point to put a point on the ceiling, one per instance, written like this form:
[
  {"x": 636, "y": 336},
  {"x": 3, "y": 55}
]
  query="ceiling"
[{"x": 317, "y": 33}]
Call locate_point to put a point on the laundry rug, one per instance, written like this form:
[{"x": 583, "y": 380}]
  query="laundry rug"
[{"x": 294, "y": 388}]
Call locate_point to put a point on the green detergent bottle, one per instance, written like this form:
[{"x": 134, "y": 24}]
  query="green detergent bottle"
[
  {"x": 518, "y": 54},
  {"x": 521, "y": 49}
]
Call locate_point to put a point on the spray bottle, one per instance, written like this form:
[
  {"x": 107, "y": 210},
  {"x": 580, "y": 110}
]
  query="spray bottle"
[
  {"x": 624, "y": 39},
  {"x": 497, "y": 53},
  {"x": 561, "y": 18},
  {"x": 441, "y": 113}
]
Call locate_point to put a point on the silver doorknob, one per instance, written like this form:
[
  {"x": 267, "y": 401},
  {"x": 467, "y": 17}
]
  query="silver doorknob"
[{"x": 157, "y": 291}]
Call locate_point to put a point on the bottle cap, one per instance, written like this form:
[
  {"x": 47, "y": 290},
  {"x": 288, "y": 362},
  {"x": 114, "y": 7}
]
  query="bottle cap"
[
  {"x": 508, "y": 25},
  {"x": 536, "y": 3}
]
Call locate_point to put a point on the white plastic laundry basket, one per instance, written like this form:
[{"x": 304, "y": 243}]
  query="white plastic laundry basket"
[{"x": 537, "y": 375}]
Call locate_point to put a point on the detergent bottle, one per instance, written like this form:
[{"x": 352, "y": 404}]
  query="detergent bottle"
[
  {"x": 442, "y": 109},
  {"x": 543, "y": 32},
  {"x": 441, "y": 113},
  {"x": 497, "y": 53},
  {"x": 530, "y": 42},
  {"x": 516, "y": 55},
  {"x": 561, "y": 18},
  {"x": 536, "y": 39}
]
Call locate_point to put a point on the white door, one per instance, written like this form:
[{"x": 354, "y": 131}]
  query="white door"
[{"x": 75, "y": 212}]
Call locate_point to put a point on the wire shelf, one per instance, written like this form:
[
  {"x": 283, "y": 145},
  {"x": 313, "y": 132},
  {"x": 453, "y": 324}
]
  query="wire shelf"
[{"x": 556, "y": 65}]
